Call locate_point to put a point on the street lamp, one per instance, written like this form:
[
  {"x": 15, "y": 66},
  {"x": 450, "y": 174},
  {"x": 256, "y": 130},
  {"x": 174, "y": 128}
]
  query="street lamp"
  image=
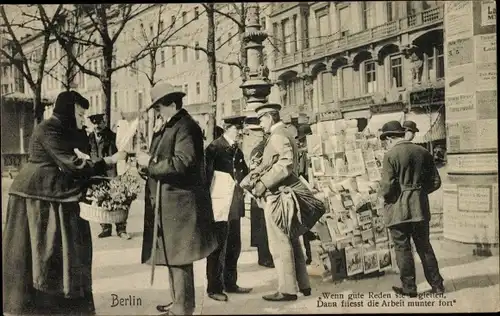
[{"x": 256, "y": 85}]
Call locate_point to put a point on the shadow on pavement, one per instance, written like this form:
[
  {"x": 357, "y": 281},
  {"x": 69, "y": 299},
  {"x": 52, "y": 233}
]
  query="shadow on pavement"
[
  {"x": 476, "y": 281},
  {"x": 451, "y": 262}
]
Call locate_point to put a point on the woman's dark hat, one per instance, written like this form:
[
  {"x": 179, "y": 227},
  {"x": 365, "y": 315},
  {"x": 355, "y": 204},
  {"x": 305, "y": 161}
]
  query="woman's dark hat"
[
  {"x": 392, "y": 128},
  {"x": 411, "y": 126},
  {"x": 65, "y": 103},
  {"x": 97, "y": 118},
  {"x": 164, "y": 90},
  {"x": 235, "y": 120}
]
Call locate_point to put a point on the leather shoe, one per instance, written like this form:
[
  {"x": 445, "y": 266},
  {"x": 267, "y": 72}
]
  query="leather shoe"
[
  {"x": 124, "y": 235},
  {"x": 164, "y": 308},
  {"x": 221, "y": 297},
  {"x": 280, "y": 297},
  {"x": 306, "y": 292},
  {"x": 267, "y": 264},
  {"x": 238, "y": 290},
  {"x": 104, "y": 234},
  {"x": 400, "y": 291},
  {"x": 438, "y": 289}
]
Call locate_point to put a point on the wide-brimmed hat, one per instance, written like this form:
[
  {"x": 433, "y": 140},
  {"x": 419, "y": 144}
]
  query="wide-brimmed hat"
[
  {"x": 411, "y": 126},
  {"x": 267, "y": 108},
  {"x": 164, "y": 90},
  {"x": 96, "y": 118},
  {"x": 392, "y": 128}
]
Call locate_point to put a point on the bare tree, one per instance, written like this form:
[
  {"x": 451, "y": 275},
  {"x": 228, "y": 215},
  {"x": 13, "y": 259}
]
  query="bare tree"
[
  {"x": 20, "y": 58},
  {"x": 106, "y": 22}
]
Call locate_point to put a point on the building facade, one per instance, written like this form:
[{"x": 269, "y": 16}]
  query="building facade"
[{"x": 360, "y": 59}]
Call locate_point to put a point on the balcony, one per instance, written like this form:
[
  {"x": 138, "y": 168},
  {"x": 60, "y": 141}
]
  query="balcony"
[{"x": 350, "y": 41}]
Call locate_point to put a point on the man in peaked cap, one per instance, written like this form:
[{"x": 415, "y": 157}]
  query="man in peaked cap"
[
  {"x": 103, "y": 143},
  {"x": 182, "y": 210},
  {"x": 411, "y": 130},
  {"x": 226, "y": 167},
  {"x": 281, "y": 155},
  {"x": 408, "y": 177}
]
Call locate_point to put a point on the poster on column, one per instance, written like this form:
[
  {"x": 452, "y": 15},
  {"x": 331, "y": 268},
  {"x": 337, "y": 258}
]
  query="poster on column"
[
  {"x": 460, "y": 79},
  {"x": 485, "y": 16},
  {"x": 472, "y": 163},
  {"x": 460, "y": 107},
  {"x": 486, "y": 104},
  {"x": 486, "y": 76},
  {"x": 472, "y": 136},
  {"x": 485, "y": 48},
  {"x": 458, "y": 19},
  {"x": 460, "y": 52}
]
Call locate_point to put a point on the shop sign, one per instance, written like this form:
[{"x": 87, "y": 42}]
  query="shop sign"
[
  {"x": 329, "y": 116},
  {"x": 356, "y": 103},
  {"x": 427, "y": 96},
  {"x": 387, "y": 107}
]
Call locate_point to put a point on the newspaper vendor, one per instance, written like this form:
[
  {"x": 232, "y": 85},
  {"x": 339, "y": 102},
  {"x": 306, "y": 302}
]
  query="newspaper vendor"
[{"x": 226, "y": 167}]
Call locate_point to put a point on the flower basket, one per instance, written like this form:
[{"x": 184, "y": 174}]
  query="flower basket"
[
  {"x": 94, "y": 213},
  {"x": 108, "y": 201}
]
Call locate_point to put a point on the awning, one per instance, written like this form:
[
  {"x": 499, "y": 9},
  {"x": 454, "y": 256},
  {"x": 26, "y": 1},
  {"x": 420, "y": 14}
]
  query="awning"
[
  {"x": 378, "y": 120},
  {"x": 431, "y": 126}
]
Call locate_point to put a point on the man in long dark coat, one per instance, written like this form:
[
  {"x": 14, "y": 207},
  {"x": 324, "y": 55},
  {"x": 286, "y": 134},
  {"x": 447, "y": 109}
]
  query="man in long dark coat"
[
  {"x": 176, "y": 162},
  {"x": 225, "y": 157},
  {"x": 103, "y": 143},
  {"x": 408, "y": 177}
]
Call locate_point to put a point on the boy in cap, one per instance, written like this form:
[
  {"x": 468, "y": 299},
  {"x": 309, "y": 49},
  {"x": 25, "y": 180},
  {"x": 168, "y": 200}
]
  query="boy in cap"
[
  {"x": 280, "y": 157},
  {"x": 177, "y": 198},
  {"x": 411, "y": 130},
  {"x": 408, "y": 177},
  {"x": 223, "y": 156},
  {"x": 103, "y": 143}
]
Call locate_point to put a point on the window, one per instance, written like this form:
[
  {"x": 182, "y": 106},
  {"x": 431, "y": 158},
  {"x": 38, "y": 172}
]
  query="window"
[
  {"x": 196, "y": 13},
  {"x": 295, "y": 42},
  {"x": 133, "y": 68},
  {"x": 231, "y": 73},
  {"x": 197, "y": 52},
  {"x": 368, "y": 18},
  {"x": 161, "y": 26},
  {"x": 221, "y": 74},
  {"x": 439, "y": 62},
  {"x": 326, "y": 86},
  {"x": 229, "y": 38},
  {"x": 162, "y": 58},
  {"x": 174, "y": 56},
  {"x": 91, "y": 101},
  {"x": 115, "y": 99},
  {"x": 113, "y": 62},
  {"x": 396, "y": 71},
  {"x": 347, "y": 83},
  {"x": 184, "y": 54},
  {"x": 184, "y": 17},
  {"x": 345, "y": 20},
  {"x": 294, "y": 92},
  {"x": 306, "y": 31},
  {"x": 370, "y": 77},
  {"x": 139, "y": 100},
  {"x": 95, "y": 65},
  {"x": 198, "y": 88},
  {"x": 323, "y": 25},
  {"x": 391, "y": 11},
  {"x": 430, "y": 64},
  {"x": 172, "y": 20},
  {"x": 286, "y": 36},
  {"x": 263, "y": 23},
  {"x": 98, "y": 103}
]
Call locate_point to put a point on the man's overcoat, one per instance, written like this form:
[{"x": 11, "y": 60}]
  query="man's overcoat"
[
  {"x": 409, "y": 175},
  {"x": 186, "y": 215}
]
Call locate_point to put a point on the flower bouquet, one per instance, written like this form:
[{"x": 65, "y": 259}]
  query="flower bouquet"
[{"x": 109, "y": 200}]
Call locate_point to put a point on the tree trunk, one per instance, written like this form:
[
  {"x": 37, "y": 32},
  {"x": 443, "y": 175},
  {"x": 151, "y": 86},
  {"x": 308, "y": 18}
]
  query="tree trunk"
[
  {"x": 243, "y": 52},
  {"x": 210, "y": 132},
  {"x": 38, "y": 107},
  {"x": 106, "y": 82}
]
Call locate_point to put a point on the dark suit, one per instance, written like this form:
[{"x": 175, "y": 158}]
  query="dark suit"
[
  {"x": 408, "y": 177},
  {"x": 101, "y": 147},
  {"x": 186, "y": 216},
  {"x": 222, "y": 263}
]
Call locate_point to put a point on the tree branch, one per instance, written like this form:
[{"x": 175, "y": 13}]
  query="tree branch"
[{"x": 227, "y": 15}]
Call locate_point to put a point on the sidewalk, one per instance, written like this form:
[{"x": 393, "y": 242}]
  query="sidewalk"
[{"x": 472, "y": 283}]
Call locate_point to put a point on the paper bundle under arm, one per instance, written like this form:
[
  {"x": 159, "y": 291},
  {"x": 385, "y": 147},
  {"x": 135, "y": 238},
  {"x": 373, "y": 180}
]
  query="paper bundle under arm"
[{"x": 124, "y": 133}]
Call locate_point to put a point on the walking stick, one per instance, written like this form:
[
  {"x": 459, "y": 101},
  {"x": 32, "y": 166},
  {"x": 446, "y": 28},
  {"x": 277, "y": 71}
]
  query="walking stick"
[{"x": 155, "y": 232}]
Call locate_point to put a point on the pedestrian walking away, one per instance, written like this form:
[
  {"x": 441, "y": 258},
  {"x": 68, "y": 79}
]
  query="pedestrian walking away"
[
  {"x": 409, "y": 175},
  {"x": 226, "y": 167},
  {"x": 176, "y": 163},
  {"x": 102, "y": 143}
]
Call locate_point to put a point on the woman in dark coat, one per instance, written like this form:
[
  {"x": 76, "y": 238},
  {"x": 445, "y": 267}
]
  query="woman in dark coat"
[{"x": 47, "y": 260}]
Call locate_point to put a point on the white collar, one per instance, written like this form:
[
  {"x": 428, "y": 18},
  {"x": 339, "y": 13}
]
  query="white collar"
[
  {"x": 276, "y": 125},
  {"x": 230, "y": 141}
]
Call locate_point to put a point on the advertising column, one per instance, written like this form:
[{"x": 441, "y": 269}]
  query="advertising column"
[{"x": 470, "y": 194}]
